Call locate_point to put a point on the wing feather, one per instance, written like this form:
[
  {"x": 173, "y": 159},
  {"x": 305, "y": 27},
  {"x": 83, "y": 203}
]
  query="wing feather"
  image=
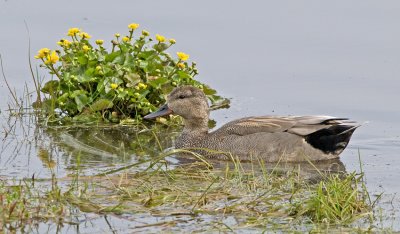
[{"x": 299, "y": 125}]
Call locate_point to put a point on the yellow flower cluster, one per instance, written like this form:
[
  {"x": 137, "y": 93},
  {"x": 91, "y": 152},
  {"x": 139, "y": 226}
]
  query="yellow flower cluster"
[
  {"x": 99, "y": 42},
  {"x": 181, "y": 65},
  {"x": 113, "y": 86},
  {"x": 42, "y": 53},
  {"x": 160, "y": 38},
  {"x": 48, "y": 56},
  {"x": 84, "y": 35},
  {"x": 182, "y": 56},
  {"x": 140, "y": 86},
  {"x": 133, "y": 26},
  {"x": 65, "y": 43},
  {"x": 51, "y": 58},
  {"x": 76, "y": 31},
  {"x": 73, "y": 31},
  {"x": 172, "y": 41}
]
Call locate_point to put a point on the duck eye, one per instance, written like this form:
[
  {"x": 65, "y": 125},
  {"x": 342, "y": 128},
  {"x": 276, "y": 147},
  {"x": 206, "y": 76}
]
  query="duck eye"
[{"x": 181, "y": 96}]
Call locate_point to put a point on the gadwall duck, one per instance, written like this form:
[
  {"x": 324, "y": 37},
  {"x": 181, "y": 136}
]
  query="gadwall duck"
[{"x": 270, "y": 138}]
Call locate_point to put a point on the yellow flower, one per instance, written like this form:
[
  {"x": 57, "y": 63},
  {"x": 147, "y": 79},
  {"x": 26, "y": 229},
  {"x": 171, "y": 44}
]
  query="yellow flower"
[
  {"x": 117, "y": 35},
  {"x": 133, "y": 26},
  {"x": 84, "y": 35},
  {"x": 85, "y": 48},
  {"x": 140, "y": 86},
  {"x": 98, "y": 68},
  {"x": 182, "y": 56},
  {"x": 145, "y": 33},
  {"x": 65, "y": 43},
  {"x": 181, "y": 65},
  {"x": 162, "y": 120},
  {"x": 172, "y": 41},
  {"x": 51, "y": 58},
  {"x": 126, "y": 39},
  {"x": 113, "y": 86},
  {"x": 73, "y": 31},
  {"x": 99, "y": 42},
  {"x": 160, "y": 38},
  {"x": 42, "y": 53}
]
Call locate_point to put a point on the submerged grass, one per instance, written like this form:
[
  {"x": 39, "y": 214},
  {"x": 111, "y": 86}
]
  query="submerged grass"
[
  {"x": 253, "y": 195},
  {"x": 23, "y": 204}
]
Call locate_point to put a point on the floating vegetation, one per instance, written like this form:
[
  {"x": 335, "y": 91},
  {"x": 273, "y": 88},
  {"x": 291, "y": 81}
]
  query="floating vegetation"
[{"x": 130, "y": 80}]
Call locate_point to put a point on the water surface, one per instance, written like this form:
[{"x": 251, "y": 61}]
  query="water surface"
[{"x": 338, "y": 58}]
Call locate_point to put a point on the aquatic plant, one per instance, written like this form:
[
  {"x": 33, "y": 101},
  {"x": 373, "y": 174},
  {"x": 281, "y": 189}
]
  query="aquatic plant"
[{"x": 132, "y": 79}]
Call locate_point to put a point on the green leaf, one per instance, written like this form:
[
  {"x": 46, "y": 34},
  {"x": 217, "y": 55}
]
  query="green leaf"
[
  {"x": 220, "y": 103},
  {"x": 147, "y": 54},
  {"x": 110, "y": 57},
  {"x": 143, "y": 64},
  {"x": 184, "y": 75},
  {"x": 50, "y": 87},
  {"x": 100, "y": 57},
  {"x": 83, "y": 78},
  {"x": 101, "y": 104},
  {"x": 131, "y": 79},
  {"x": 83, "y": 60},
  {"x": 86, "y": 117},
  {"x": 81, "y": 99},
  {"x": 208, "y": 91},
  {"x": 129, "y": 60},
  {"x": 120, "y": 59},
  {"x": 90, "y": 71},
  {"x": 158, "y": 82},
  {"x": 160, "y": 47}
]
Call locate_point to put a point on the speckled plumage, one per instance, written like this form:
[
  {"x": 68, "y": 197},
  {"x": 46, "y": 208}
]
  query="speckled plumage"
[{"x": 271, "y": 138}]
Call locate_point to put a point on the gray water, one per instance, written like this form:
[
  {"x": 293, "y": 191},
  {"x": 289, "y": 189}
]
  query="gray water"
[{"x": 339, "y": 58}]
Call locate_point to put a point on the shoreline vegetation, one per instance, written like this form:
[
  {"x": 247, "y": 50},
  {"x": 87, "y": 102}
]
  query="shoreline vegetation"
[{"x": 129, "y": 80}]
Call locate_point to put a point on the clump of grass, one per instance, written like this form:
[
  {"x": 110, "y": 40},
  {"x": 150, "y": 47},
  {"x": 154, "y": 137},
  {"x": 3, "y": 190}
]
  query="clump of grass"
[
  {"x": 22, "y": 204},
  {"x": 337, "y": 199}
]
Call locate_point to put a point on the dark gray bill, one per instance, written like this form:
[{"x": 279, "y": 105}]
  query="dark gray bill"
[{"x": 164, "y": 110}]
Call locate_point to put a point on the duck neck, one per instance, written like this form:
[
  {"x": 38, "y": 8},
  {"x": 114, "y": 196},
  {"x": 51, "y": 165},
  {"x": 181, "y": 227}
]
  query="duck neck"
[{"x": 196, "y": 126}]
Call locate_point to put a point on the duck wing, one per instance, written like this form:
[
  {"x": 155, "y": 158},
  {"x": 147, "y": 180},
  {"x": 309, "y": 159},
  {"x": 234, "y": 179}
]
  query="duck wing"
[{"x": 299, "y": 125}]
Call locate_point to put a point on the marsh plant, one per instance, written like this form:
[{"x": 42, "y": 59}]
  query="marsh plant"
[{"x": 130, "y": 80}]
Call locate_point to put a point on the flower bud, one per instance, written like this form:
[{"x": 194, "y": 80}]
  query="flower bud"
[
  {"x": 145, "y": 33},
  {"x": 126, "y": 39},
  {"x": 85, "y": 48},
  {"x": 133, "y": 26}
]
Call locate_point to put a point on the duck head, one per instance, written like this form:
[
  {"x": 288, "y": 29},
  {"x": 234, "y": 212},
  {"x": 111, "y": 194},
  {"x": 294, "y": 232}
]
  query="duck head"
[{"x": 186, "y": 101}]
